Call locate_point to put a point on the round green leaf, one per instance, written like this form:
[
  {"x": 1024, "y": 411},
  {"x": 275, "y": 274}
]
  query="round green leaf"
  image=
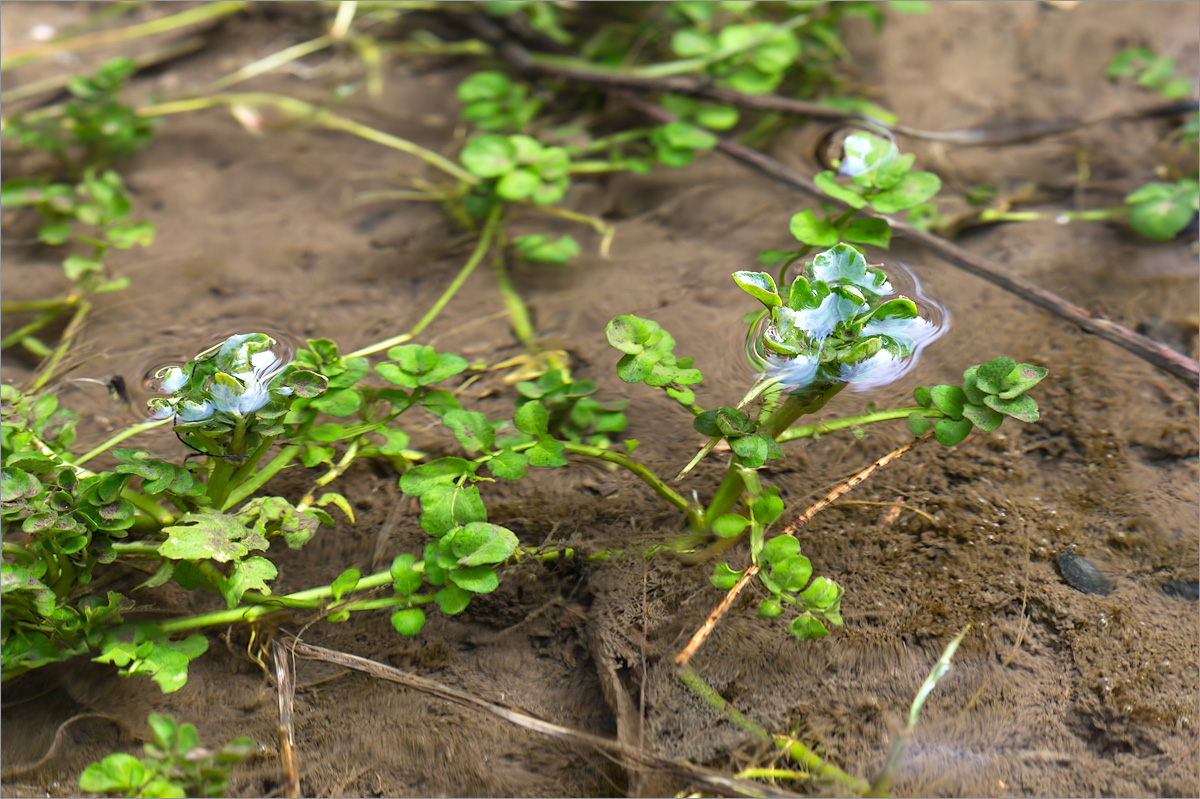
[
  {"x": 476, "y": 579},
  {"x": 729, "y": 525},
  {"x": 489, "y": 156},
  {"x": 409, "y": 621},
  {"x": 812, "y": 231}
]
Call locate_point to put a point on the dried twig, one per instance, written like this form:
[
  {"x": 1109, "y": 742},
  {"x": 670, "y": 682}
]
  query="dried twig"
[
  {"x": 287, "y": 732},
  {"x": 633, "y": 757},
  {"x": 705, "y": 630},
  {"x": 533, "y": 66}
]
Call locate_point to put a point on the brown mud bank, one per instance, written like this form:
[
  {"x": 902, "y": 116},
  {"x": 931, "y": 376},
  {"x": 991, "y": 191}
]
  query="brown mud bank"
[{"x": 1055, "y": 692}]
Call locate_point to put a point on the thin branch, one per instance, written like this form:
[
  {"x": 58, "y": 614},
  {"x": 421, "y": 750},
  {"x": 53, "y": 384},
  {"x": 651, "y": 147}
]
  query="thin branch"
[
  {"x": 631, "y": 756},
  {"x": 537, "y": 65},
  {"x": 710, "y": 624}
]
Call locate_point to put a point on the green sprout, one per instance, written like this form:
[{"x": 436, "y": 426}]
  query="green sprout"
[{"x": 175, "y": 765}]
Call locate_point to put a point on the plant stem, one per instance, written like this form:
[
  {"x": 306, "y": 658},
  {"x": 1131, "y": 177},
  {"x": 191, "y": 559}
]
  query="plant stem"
[
  {"x": 260, "y": 478},
  {"x": 128, "y": 432},
  {"x": 302, "y": 111},
  {"x": 647, "y": 476},
  {"x": 606, "y": 231},
  {"x": 45, "y": 318},
  {"x": 218, "y": 480},
  {"x": 821, "y": 428},
  {"x": 271, "y": 62},
  {"x": 203, "y": 13},
  {"x": 518, "y": 314},
  {"x": 50, "y": 366},
  {"x": 490, "y": 228},
  {"x": 794, "y": 750},
  {"x": 161, "y": 516},
  {"x": 1061, "y": 217}
]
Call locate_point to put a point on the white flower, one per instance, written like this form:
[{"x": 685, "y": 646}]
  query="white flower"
[{"x": 173, "y": 379}]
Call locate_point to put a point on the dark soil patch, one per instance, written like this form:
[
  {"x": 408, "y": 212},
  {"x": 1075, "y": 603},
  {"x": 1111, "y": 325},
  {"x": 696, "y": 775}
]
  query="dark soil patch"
[{"x": 1054, "y": 693}]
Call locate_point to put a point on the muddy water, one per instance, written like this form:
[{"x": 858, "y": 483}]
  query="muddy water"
[{"x": 1054, "y": 693}]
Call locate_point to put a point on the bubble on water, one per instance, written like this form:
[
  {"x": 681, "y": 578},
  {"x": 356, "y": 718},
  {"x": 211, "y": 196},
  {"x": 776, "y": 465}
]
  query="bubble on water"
[
  {"x": 879, "y": 370},
  {"x": 146, "y": 378}
]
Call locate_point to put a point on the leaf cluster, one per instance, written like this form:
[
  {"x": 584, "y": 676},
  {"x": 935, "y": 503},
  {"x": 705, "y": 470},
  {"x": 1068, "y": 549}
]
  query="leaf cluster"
[
  {"x": 175, "y": 765},
  {"x": 649, "y": 357},
  {"x": 518, "y": 167},
  {"x": 1153, "y": 72},
  {"x": 98, "y": 201},
  {"x": 94, "y": 128},
  {"x": 493, "y": 102},
  {"x": 574, "y": 414},
  {"x": 988, "y": 393}
]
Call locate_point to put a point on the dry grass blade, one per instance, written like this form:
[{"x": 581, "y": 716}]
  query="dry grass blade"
[
  {"x": 287, "y": 731},
  {"x": 632, "y": 757},
  {"x": 710, "y": 624}
]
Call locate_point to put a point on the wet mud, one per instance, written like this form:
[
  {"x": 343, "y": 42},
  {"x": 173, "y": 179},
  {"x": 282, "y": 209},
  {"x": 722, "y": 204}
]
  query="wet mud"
[{"x": 1055, "y": 692}]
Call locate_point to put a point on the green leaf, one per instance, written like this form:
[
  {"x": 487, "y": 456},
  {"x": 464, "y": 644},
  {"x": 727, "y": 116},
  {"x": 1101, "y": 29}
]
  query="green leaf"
[
  {"x": 807, "y": 628},
  {"x": 685, "y": 136},
  {"x": 518, "y": 184},
  {"x": 724, "y": 577},
  {"x": 918, "y": 424},
  {"x": 202, "y": 536},
  {"x": 823, "y": 593},
  {"x": 723, "y": 422},
  {"x": 755, "y": 450},
  {"x": 342, "y": 402},
  {"x": 546, "y": 453},
  {"x": 489, "y": 156},
  {"x": 949, "y": 400},
  {"x": 77, "y": 267},
  {"x": 476, "y": 579},
  {"x": 452, "y": 599},
  {"x": 441, "y": 472},
  {"x": 759, "y": 285},
  {"x": 1023, "y": 408},
  {"x": 949, "y": 432},
  {"x": 405, "y": 578},
  {"x": 990, "y": 377},
  {"x": 915, "y": 188},
  {"x": 1022, "y": 378},
  {"x": 769, "y": 609},
  {"x": 446, "y": 507},
  {"x": 728, "y": 525},
  {"x": 532, "y": 418},
  {"x": 118, "y": 773},
  {"x": 345, "y": 582},
  {"x": 540, "y": 249},
  {"x": 480, "y": 543},
  {"x": 717, "y": 117},
  {"x": 509, "y": 465},
  {"x": 767, "y": 509},
  {"x": 688, "y": 43},
  {"x": 983, "y": 417},
  {"x": 409, "y": 621},
  {"x": 792, "y": 573},
  {"x": 780, "y": 548},
  {"x": 250, "y": 574},
  {"x": 471, "y": 428},
  {"x": 151, "y": 653},
  {"x": 1160, "y": 210},
  {"x": 489, "y": 85},
  {"x": 812, "y": 231},
  {"x": 827, "y": 182},
  {"x": 876, "y": 232}
]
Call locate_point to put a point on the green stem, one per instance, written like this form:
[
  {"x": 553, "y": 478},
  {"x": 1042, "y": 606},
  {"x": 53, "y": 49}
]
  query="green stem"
[
  {"x": 856, "y": 421},
  {"x": 260, "y": 478},
  {"x": 640, "y": 470},
  {"x": 210, "y": 11},
  {"x": 481, "y": 247},
  {"x": 794, "y": 750},
  {"x": 128, "y": 432},
  {"x": 52, "y": 363},
  {"x": 518, "y": 314},
  {"x": 37, "y": 324},
  {"x": 796, "y": 405},
  {"x": 161, "y": 516},
  {"x": 300, "y": 110},
  {"x": 1093, "y": 215},
  {"x": 218, "y": 480},
  {"x": 606, "y": 142},
  {"x": 247, "y": 469}
]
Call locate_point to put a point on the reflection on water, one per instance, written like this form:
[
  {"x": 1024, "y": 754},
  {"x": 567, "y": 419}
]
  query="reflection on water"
[{"x": 911, "y": 336}]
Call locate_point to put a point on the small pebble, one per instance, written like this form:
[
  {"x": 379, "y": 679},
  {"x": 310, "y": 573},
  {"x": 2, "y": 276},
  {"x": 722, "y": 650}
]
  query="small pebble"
[
  {"x": 1082, "y": 575},
  {"x": 1182, "y": 589}
]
